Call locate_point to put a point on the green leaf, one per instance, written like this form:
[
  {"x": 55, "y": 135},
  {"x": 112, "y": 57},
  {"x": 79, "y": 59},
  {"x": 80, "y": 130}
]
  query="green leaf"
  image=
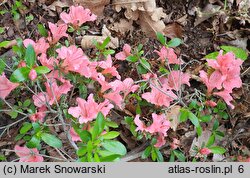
[
  {"x": 132, "y": 58},
  {"x": 20, "y": 75},
  {"x": 85, "y": 136},
  {"x": 13, "y": 114},
  {"x": 141, "y": 69},
  {"x": 212, "y": 55},
  {"x": 198, "y": 130},
  {"x": 193, "y": 119},
  {"x": 216, "y": 124},
  {"x": 111, "y": 135},
  {"x": 211, "y": 140},
  {"x": 145, "y": 63},
  {"x": 105, "y": 43},
  {"x": 174, "y": 42},
  {"x": 159, "y": 156},
  {"x": 30, "y": 56},
  {"x": 161, "y": 38},
  {"x": 110, "y": 158},
  {"x": 183, "y": 115},
  {"x": 27, "y": 102},
  {"x": 51, "y": 140},
  {"x": 42, "y": 70},
  {"x": 36, "y": 127},
  {"x": 83, "y": 91},
  {"x": 98, "y": 126},
  {"x": 34, "y": 142},
  {"x": 179, "y": 155},
  {"x": 25, "y": 128},
  {"x": 114, "y": 147},
  {"x": 111, "y": 124},
  {"x": 239, "y": 53},
  {"x": 146, "y": 152},
  {"x": 81, "y": 151},
  {"x": 217, "y": 150},
  {"x": 42, "y": 30},
  {"x": 2, "y": 158},
  {"x": 2, "y": 66},
  {"x": 2, "y": 30},
  {"x": 206, "y": 118},
  {"x": 4, "y": 44}
]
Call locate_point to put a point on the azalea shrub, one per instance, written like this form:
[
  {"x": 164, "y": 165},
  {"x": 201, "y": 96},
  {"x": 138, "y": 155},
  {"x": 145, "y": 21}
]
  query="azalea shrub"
[{"x": 81, "y": 94}]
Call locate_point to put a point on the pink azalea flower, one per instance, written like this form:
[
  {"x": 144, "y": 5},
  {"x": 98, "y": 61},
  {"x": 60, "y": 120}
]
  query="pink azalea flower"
[
  {"x": 175, "y": 144},
  {"x": 28, "y": 155},
  {"x": 177, "y": 78},
  {"x": 140, "y": 125},
  {"x": 108, "y": 68},
  {"x": 126, "y": 86},
  {"x": 6, "y": 86},
  {"x": 58, "y": 91},
  {"x": 160, "y": 141},
  {"x": 104, "y": 85},
  {"x": 40, "y": 47},
  {"x": 211, "y": 103},
  {"x": 229, "y": 70},
  {"x": 124, "y": 54},
  {"x": 160, "y": 124},
  {"x": 88, "y": 70},
  {"x": 57, "y": 31},
  {"x": 73, "y": 58},
  {"x": 214, "y": 81},
  {"x": 77, "y": 16},
  {"x": 169, "y": 55},
  {"x": 160, "y": 96},
  {"x": 87, "y": 110},
  {"x": 75, "y": 137},
  {"x": 32, "y": 74},
  {"x": 39, "y": 116},
  {"x": 205, "y": 151},
  {"x": 116, "y": 98},
  {"x": 225, "y": 95},
  {"x": 50, "y": 63},
  {"x": 40, "y": 99},
  {"x": 22, "y": 64}
]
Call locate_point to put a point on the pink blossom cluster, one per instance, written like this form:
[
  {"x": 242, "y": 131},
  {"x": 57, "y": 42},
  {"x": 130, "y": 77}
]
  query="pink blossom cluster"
[
  {"x": 224, "y": 78},
  {"x": 159, "y": 127},
  {"x": 161, "y": 93}
]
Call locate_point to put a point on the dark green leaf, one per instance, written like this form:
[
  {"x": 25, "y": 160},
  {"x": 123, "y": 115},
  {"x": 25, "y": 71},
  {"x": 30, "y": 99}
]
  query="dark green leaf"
[
  {"x": 34, "y": 142},
  {"x": 183, "y": 115},
  {"x": 4, "y": 44},
  {"x": 36, "y": 127},
  {"x": 114, "y": 147},
  {"x": 132, "y": 58},
  {"x": 105, "y": 43},
  {"x": 174, "y": 42},
  {"x": 159, "y": 155},
  {"x": 2, "y": 66},
  {"x": 27, "y": 102},
  {"x": 212, "y": 55},
  {"x": 211, "y": 140},
  {"x": 42, "y": 30},
  {"x": 110, "y": 135},
  {"x": 217, "y": 150},
  {"x": 145, "y": 63},
  {"x": 30, "y": 56},
  {"x": 85, "y": 136},
  {"x": 181, "y": 157},
  {"x": 239, "y": 53},
  {"x": 51, "y": 140},
  {"x": 193, "y": 119},
  {"x": 161, "y": 38},
  {"x": 141, "y": 69},
  {"x": 20, "y": 75},
  {"x": 216, "y": 125},
  {"x": 25, "y": 128},
  {"x": 110, "y": 158},
  {"x": 42, "y": 70},
  {"x": 98, "y": 126},
  {"x": 146, "y": 152},
  {"x": 206, "y": 118}
]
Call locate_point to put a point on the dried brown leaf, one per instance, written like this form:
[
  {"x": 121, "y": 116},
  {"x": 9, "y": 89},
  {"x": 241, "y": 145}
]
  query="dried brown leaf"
[
  {"x": 173, "y": 30},
  {"x": 173, "y": 116},
  {"x": 123, "y": 26}
]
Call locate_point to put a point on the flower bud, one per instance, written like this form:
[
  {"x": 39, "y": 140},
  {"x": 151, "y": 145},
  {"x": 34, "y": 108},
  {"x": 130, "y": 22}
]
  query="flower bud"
[
  {"x": 32, "y": 74},
  {"x": 205, "y": 151}
]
